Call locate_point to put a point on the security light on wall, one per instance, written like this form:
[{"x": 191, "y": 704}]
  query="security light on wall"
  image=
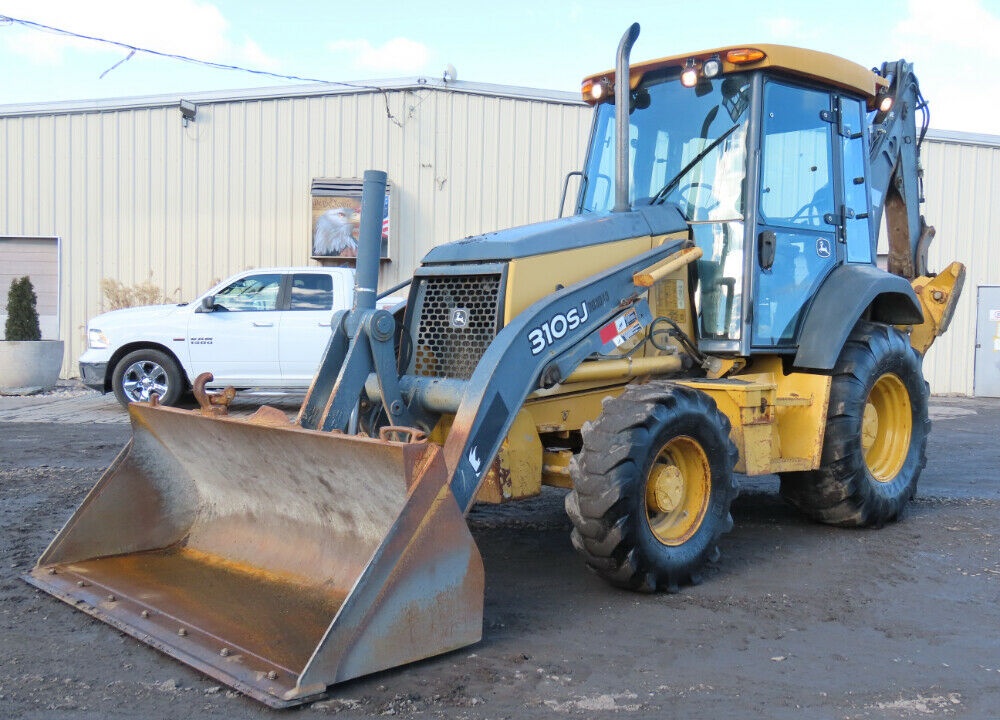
[{"x": 188, "y": 112}]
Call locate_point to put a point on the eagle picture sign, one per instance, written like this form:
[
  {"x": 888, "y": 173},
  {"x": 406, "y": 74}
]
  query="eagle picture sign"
[{"x": 336, "y": 216}]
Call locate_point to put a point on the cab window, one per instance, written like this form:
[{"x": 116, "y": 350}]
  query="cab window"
[{"x": 797, "y": 157}]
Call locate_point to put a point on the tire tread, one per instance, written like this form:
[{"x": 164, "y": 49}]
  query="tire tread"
[
  {"x": 603, "y": 502},
  {"x": 841, "y": 491}
]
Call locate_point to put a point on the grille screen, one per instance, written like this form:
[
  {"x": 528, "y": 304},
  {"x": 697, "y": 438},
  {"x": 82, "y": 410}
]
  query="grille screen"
[{"x": 458, "y": 321}]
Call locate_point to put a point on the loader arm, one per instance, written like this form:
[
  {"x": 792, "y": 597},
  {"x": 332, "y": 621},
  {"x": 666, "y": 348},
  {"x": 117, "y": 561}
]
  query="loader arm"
[
  {"x": 538, "y": 348},
  {"x": 522, "y": 359}
]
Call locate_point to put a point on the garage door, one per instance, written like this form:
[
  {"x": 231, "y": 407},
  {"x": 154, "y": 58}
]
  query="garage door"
[{"x": 38, "y": 258}]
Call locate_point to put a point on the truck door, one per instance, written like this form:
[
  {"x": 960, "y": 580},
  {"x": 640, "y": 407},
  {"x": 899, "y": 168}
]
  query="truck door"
[
  {"x": 305, "y": 327},
  {"x": 796, "y": 225},
  {"x": 238, "y": 341}
]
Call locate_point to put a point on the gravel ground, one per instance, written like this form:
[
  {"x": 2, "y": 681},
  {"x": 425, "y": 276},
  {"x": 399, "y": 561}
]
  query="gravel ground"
[{"x": 797, "y": 620}]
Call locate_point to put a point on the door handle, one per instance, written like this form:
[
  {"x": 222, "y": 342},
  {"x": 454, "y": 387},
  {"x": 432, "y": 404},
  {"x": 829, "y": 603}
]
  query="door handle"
[
  {"x": 323, "y": 324},
  {"x": 262, "y": 324},
  {"x": 766, "y": 249}
]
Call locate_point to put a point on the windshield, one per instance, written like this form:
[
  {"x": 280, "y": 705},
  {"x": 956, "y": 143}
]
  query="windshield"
[{"x": 687, "y": 146}]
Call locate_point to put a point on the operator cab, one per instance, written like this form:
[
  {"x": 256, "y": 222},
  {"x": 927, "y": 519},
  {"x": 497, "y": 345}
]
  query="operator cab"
[{"x": 768, "y": 166}]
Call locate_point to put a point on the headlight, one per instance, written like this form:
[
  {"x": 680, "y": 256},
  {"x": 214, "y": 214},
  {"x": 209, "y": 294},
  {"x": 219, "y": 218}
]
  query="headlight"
[
  {"x": 96, "y": 339},
  {"x": 689, "y": 77},
  {"x": 596, "y": 90},
  {"x": 711, "y": 67}
]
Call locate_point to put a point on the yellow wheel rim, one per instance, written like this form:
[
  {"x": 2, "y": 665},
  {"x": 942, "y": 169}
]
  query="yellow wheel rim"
[
  {"x": 677, "y": 491},
  {"x": 886, "y": 427}
]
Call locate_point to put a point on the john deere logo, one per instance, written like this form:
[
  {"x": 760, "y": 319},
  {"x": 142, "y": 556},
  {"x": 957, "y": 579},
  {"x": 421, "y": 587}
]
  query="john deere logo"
[
  {"x": 459, "y": 318},
  {"x": 823, "y": 248}
]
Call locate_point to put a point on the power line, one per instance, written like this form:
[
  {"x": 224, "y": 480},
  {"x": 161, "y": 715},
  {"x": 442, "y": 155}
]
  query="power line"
[
  {"x": 133, "y": 49},
  {"x": 174, "y": 56}
]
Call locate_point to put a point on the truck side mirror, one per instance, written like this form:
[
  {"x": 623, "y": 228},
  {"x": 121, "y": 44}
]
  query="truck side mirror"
[
  {"x": 207, "y": 304},
  {"x": 767, "y": 241}
]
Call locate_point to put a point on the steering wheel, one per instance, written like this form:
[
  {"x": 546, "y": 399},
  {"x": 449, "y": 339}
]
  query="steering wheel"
[
  {"x": 807, "y": 214},
  {"x": 698, "y": 187}
]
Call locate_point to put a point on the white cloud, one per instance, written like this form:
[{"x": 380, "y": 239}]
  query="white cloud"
[
  {"x": 956, "y": 24},
  {"x": 256, "y": 58},
  {"x": 951, "y": 46},
  {"x": 180, "y": 27},
  {"x": 398, "y": 55}
]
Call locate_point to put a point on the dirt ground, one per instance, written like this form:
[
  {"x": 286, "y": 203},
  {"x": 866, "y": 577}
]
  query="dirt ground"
[{"x": 797, "y": 620}]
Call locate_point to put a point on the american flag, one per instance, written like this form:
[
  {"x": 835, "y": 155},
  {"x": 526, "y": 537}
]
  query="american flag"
[{"x": 385, "y": 218}]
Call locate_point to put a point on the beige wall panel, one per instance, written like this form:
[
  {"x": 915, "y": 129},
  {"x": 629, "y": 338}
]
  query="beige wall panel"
[
  {"x": 299, "y": 229},
  {"x": 13, "y": 177},
  {"x": 45, "y": 172},
  {"x": 77, "y": 281},
  {"x": 28, "y": 194},
  {"x": 7, "y": 167},
  {"x": 237, "y": 171}
]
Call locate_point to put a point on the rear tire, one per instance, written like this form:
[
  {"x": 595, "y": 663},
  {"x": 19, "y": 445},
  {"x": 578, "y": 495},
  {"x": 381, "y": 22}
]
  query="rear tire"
[
  {"x": 876, "y": 434},
  {"x": 652, "y": 487},
  {"x": 143, "y": 372}
]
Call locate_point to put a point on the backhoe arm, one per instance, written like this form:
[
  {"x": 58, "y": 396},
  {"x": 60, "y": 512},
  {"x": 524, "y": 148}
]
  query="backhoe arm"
[
  {"x": 897, "y": 186},
  {"x": 896, "y": 174}
]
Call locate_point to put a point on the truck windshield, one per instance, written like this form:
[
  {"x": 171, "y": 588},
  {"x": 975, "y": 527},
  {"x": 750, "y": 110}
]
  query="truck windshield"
[{"x": 687, "y": 146}]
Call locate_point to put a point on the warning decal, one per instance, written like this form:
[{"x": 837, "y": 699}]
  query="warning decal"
[{"x": 620, "y": 330}]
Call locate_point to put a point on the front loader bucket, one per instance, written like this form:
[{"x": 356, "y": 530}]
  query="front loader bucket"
[{"x": 277, "y": 560}]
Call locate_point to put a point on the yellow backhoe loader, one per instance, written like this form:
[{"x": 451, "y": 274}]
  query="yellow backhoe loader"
[{"x": 713, "y": 306}]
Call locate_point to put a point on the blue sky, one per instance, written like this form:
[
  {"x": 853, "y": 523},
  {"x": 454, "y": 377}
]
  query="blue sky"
[{"x": 529, "y": 43}]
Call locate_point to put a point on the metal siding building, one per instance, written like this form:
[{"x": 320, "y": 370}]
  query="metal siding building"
[
  {"x": 962, "y": 187},
  {"x": 133, "y": 194}
]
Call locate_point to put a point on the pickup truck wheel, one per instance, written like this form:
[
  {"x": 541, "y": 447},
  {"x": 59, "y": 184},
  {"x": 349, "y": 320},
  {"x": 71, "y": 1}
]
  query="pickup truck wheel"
[
  {"x": 144, "y": 372},
  {"x": 652, "y": 487},
  {"x": 875, "y": 442}
]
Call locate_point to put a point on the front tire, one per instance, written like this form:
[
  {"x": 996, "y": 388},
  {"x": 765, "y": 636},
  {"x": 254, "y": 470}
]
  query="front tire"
[
  {"x": 652, "y": 487},
  {"x": 142, "y": 373},
  {"x": 876, "y": 434}
]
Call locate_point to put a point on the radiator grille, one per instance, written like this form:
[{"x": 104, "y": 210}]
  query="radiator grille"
[{"x": 458, "y": 321}]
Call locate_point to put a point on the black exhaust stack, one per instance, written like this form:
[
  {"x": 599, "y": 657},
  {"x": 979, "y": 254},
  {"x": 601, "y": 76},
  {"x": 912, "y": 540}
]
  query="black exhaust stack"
[{"x": 622, "y": 100}]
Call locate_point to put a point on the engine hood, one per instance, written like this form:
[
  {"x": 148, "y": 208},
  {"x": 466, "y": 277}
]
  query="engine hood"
[
  {"x": 566, "y": 233},
  {"x": 130, "y": 316}
]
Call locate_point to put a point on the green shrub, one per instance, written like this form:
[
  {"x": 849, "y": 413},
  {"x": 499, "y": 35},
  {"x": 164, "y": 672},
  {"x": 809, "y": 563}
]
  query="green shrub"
[{"x": 22, "y": 312}]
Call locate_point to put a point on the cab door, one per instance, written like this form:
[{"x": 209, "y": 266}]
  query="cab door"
[
  {"x": 797, "y": 223},
  {"x": 858, "y": 236}
]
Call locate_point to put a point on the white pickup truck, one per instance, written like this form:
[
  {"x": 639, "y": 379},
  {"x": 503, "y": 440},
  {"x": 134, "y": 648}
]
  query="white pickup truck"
[{"x": 264, "y": 328}]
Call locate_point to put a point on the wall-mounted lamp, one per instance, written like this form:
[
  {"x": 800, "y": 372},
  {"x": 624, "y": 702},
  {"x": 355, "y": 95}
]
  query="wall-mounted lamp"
[{"x": 188, "y": 112}]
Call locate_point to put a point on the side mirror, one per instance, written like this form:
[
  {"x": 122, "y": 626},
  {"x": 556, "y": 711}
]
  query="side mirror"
[
  {"x": 767, "y": 242},
  {"x": 207, "y": 304}
]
